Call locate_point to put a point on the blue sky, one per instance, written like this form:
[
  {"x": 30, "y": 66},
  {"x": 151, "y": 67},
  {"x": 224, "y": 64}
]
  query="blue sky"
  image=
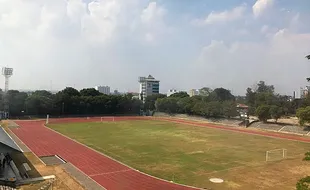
[{"x": 185, "y": 44}]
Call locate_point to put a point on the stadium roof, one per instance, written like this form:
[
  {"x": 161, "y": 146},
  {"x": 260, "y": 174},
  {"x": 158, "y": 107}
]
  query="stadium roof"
[{"x": 6, "y": 139}]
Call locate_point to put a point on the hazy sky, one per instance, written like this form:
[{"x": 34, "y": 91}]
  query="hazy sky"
[{"x": 183, "y": 43}]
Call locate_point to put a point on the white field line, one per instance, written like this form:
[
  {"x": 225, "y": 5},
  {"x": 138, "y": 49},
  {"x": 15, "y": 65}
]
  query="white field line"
[
  {"x": 107, "y": 173},
  {"x": 121, "y": 162},
  {"x": 63, "y": 160},
  {"x": 85, "y": 175},
  {"x": 281, "y": 128},
  {"x": 286, "y": 132}
]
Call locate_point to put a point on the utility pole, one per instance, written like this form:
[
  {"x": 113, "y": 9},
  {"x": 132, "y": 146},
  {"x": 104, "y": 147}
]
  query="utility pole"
[
  {"x": 308, "y": 57},
  {"x": 63, "y": 108}
]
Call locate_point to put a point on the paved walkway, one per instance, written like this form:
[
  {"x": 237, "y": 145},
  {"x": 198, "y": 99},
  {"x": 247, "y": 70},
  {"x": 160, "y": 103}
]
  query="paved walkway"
[{"x": 107, "y": 172}]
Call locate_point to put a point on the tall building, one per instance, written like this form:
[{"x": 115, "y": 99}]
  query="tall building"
[
  {"x": 148, "y": 86},
  {"x": 103, "y": 89},
  {"x": 193, "y": 92}
]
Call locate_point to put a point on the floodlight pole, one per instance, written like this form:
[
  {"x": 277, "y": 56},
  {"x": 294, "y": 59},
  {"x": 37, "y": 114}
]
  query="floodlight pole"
[{"x": 7, "y": 73}]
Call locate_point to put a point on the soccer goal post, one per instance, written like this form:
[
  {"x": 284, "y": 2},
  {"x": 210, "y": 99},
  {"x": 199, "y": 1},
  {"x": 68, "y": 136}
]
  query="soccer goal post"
[
  {"x": 47, "y": 117},
  {"x": 275, "y": 155}
]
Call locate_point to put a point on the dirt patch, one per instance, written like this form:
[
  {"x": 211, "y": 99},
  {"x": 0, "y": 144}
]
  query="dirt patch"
[
  {"x": 164, "y": 167},
  {"x": 63, "y": 180},
  {"x": 232, "y": 185},
  {"x": 280, "y": 175}
]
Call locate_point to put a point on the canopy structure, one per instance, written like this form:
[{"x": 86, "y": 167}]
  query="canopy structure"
[{"x": 6, "y": 142}]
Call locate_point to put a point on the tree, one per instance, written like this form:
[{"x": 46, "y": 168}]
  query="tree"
[
  {"x": 263, "y": 113},
  {"x": 89, "y": 92},
  {"x": 200, "y": 108},
  {"x": 250, "y": 100},
  {"x": 229, "y": 109},
  {"x": 205, "y": 91},
  {"x": 16, "y": 102},
  {"x": 214, "y": 109},
  {"x": 275, "y": 112},
  {"x": 303, "y": 115},
  {"x": 168, "y": 105},
  {"x": 250, "y": 97},
  {"x": 263, "y": 87},
  {"x": 149, "y": 103},
  {"x": 69, "y": 91},
  {"x": 38, "y": 104},
  {"x": 304, "y": 183},
  {"x": 186, "y": 105},
  {"x": 221, "y": 94},
  {"x": 179, "y": 95}
]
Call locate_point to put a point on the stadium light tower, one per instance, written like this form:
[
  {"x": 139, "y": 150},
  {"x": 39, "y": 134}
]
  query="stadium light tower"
[{"x": 7, "y": 73}]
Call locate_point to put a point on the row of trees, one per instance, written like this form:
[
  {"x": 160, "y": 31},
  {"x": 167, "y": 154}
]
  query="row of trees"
[
  {"x": 261, "y": 99},
  {"x": 303, "y": 113},
  {"x": 70, "y": 102},
  {"x": 266, "y": 104},
  {"x": 216, "y": 103}
]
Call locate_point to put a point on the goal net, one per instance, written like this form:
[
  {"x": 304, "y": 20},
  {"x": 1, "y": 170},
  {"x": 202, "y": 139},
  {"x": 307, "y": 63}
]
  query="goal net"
[{"x": 275, "y": 155}]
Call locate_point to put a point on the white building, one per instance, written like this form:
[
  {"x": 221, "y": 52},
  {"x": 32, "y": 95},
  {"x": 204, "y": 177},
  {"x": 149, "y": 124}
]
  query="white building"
[
  {"x": 172, "y": 91},
  {"x": 103, "y": 89},
  {"x": 193, "y": 92},
  {"x": 148, "y": 86}
]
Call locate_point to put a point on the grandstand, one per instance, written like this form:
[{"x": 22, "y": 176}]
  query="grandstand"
[
  {"x": 266, "y": 126},
  {"x": 295, "y": 129}
]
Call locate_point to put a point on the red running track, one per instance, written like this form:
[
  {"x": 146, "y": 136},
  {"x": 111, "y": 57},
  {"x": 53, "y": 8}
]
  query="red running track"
[
  {"x": 109, "y": 173},
  {"x": 104, "y": 170}
]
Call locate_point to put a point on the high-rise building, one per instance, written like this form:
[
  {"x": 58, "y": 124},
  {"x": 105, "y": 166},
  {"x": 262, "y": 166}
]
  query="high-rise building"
[
  {"x": 103, "y": 89},
  {"x": 148, "y": 86}
]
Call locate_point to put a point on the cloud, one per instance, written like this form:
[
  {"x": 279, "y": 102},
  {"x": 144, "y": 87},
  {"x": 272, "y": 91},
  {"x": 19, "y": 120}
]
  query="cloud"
[
  {"x": 264, "y": 29},
  {"x": 84, "y": 43},
  {"x": 220, "y": 17},
  {"x": 226, "y": 64},
  {"x": 45, "y": 39},
  {"x": 152, "y": 13},
  {"x": 152, "y": 18},
  {"x": 261, "y": 6}
]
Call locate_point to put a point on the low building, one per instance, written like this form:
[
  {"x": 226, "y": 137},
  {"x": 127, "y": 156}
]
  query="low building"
[
  {"x": 172, "y": 91},
  {"x": 304, "y": 92},
  {"x": 243, "y": 110},
  {"x": 193, "y": 92},
  {"x": 103, "y": 89}
]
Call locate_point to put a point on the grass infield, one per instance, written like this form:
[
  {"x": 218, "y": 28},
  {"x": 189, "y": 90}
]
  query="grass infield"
[{"x": 191, "y": 155}]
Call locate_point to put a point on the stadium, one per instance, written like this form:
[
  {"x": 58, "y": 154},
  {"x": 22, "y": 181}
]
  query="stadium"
[
  {"x": 163, "y": 153},
  {"x": 154, "y": 95}
]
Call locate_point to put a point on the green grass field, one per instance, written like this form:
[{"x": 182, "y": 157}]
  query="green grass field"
[{"x": 187, "y": 154}]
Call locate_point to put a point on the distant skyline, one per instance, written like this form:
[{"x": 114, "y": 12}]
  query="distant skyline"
[{"x": 184, "y": 44}]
